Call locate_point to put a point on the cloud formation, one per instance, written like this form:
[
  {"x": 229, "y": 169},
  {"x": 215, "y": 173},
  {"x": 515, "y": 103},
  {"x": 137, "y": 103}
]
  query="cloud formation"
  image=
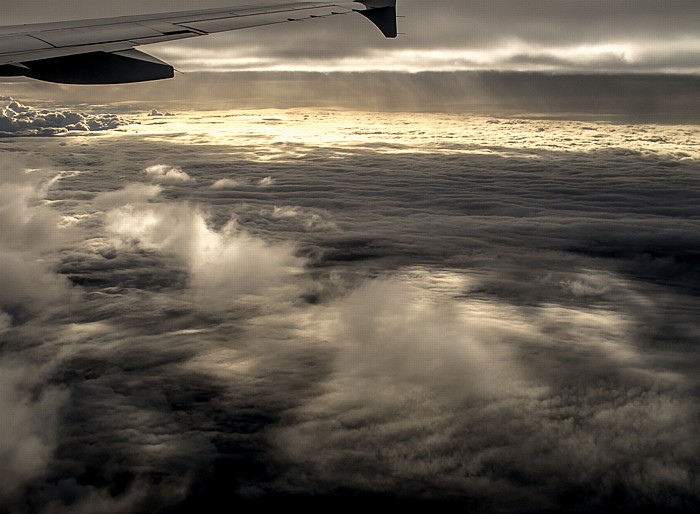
[
  {"x": 166, "y": 174},
  {"x": 17, "y": 119},
  {"x": 30, "y": 236},
  {"x": 223, "y": 264},
  {"x": 432, "y": 398},
  {"x": 225, "y": 183},
  {"x": 420, "y": 308}
]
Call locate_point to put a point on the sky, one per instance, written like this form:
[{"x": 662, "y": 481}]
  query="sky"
[
  {"x": 296, "y": 276},
  {"x": 640, "y": 36}
]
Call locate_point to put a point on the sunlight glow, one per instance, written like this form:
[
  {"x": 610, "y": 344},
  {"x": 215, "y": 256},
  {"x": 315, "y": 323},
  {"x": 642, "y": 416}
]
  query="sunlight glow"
[
  {"x": 508, "y": 55},
  {"x": 295, "y": 133}
]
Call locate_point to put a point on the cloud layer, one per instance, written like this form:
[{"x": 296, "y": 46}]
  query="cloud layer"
[
  {"x": 648, "y": 98},
  {"x": 310, "y": 309}
]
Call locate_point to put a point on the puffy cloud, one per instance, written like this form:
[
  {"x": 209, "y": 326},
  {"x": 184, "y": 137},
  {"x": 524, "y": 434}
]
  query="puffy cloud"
[
  {"x": 397, "y": 332},
  {"x": 226, "y": 183},
  {"x": 30, "y": 234},
  {"x": 25, "y": 223},
  {"x": 224, "y": 265},
  {"x": 166, "y": 174},
  {"x": 157, "y": 113},
  {"x": 20, "y": 120}
]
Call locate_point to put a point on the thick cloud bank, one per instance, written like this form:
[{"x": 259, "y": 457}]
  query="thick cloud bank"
[
  {"x": 17, "y": 119},
  {"x": 324, "y": 311}
]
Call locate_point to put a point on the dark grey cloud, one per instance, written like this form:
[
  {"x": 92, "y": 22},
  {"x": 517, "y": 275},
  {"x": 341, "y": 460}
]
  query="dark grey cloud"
[{"x": 352, "y": 309}]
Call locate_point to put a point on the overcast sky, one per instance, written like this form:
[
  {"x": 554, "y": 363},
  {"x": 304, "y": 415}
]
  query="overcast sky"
[{"x": 537, "y": 35}]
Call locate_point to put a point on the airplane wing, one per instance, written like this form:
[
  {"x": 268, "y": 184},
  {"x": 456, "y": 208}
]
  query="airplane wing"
[{"x": 103, "y": 51}]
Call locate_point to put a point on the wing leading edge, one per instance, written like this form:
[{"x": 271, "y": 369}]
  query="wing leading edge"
[{"x": 104, "y": 51}]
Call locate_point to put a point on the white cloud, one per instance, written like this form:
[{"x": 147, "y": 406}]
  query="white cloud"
[
  {"x": 17, "y": 119},
  {"x": 397, "y": 331},
  {"x": 30, "y": 233},
  {"x": 167, "y": 174},
  {"x": 226, "y": 183},
  {"x": 157, "y": 113},
  {"x": 224, "y": 265}
]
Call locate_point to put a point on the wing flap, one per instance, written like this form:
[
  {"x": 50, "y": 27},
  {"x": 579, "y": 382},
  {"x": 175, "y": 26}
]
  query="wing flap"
[
  {"x": 242, "y": 21},
  {"x": 15, "y": 44},
  {"x": 164, "y": 28},
  {"x": 53, "y": 53},
  {"x": 96, "y": 35}
]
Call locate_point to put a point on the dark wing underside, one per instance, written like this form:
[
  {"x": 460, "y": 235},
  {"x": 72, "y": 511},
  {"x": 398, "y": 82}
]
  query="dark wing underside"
[{"x": 103, "y": 51}]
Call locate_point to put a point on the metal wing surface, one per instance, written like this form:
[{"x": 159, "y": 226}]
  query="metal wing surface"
[{"x": 103, "y": 51}]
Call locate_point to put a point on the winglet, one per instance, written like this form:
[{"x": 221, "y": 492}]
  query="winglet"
[{"x": 383, "y": 14}]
